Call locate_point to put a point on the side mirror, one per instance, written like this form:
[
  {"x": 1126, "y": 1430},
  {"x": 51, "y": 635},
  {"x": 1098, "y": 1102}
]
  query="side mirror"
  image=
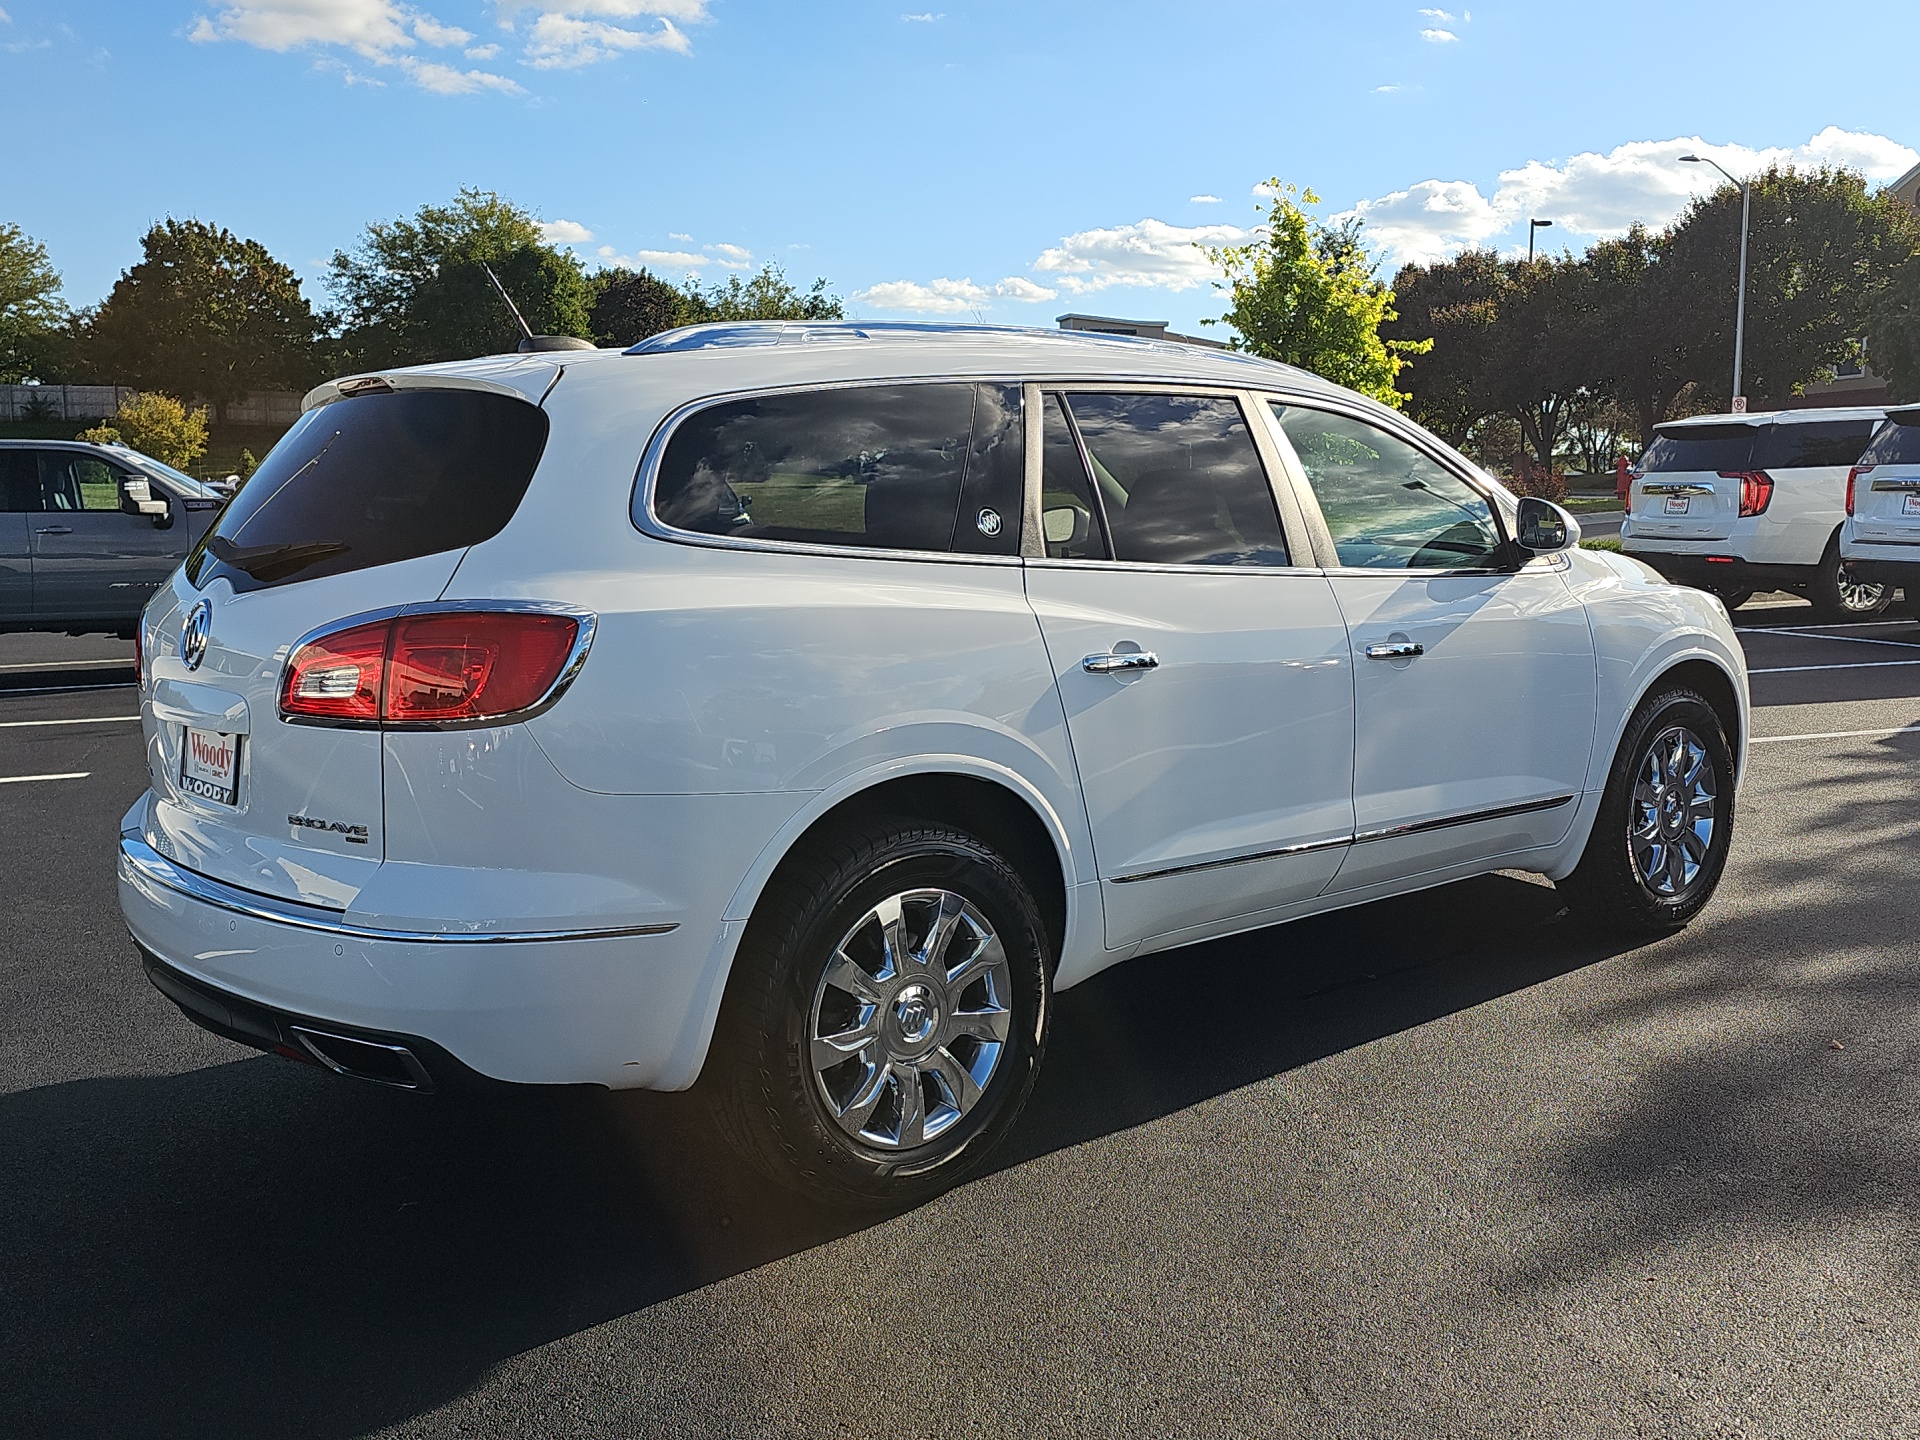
[
  {"x": 1544, "y": 527},
  {"x": 137, "y": 498}
]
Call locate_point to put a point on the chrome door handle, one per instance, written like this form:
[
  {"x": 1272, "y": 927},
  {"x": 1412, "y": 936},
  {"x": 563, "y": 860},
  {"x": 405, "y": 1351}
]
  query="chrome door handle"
[
  {"x": 1399, "y": 650},
  {"x": 55, "y": 530},
  {"x": 1117, "y": 660}
]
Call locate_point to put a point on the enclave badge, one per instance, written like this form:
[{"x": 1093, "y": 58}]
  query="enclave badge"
[{"x": 193, "y": 634}]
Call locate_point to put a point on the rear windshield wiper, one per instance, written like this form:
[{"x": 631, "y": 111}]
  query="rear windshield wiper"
[{"x": 267, "y": 563}]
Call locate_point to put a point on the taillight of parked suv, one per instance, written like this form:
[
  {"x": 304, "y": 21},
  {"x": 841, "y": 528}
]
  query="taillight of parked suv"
[
  {"x": 1852, "y": 475},
  {"x": 435, "y": 668},
  {"x": 1756, "y": 490}
]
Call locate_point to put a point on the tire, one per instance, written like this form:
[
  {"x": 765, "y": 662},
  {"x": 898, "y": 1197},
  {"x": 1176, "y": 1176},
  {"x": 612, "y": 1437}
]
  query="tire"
[
  {"x": 814, "y": 981},
  {"x": 1611, "y": 888},
  {"x": 1837, "y": 595}
]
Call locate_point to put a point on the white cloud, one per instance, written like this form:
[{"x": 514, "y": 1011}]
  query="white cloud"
[
  {"x": 1203, "y": 199},
  {"x": 732, "y": 252},
  {"x": 1386, "y": 89},
  {"x": 926, "y": 19},
  {"x": 950, "y": 297},
  {"x": 565, "y": 232},
  {"x": 1598, "y": 196},
  {"x": 676, "y": 235},
  {"x": 679, "y": 260},
  {"x": 1150, "y": 254},
  {"x": 1442, "y": 16},
  {"x": 482, "y": 52},
  {"x": 566, "y": 34},
  {"x": 5, "y": 19},
  {"x": 434, "y": 33},
  {"x": 1438, "y": 37},
  {"x": 447, "y": 80}
]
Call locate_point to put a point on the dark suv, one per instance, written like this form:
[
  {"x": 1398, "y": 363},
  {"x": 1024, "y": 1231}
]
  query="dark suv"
[{"x": 89, "y": 532}]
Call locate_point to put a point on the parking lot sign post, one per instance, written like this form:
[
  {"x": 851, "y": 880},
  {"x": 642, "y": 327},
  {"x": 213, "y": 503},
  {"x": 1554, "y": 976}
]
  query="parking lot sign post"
[{"x": 1740, "y": 305}]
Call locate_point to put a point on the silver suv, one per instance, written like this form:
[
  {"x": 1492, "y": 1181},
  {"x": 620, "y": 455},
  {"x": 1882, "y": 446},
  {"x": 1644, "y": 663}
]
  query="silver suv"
[{"x": 89, "y": 532}]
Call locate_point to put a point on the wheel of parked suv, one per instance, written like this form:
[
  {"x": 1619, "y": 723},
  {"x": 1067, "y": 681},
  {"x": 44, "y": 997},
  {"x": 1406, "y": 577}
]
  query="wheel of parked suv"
[
  {"x": 886, "y": 1017},
  {"x": 1659, "y": 843},
  {"x": 1839, "y": 593}
]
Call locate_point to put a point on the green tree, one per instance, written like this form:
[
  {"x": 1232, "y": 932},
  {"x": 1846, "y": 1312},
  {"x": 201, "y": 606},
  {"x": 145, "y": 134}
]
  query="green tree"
[
  {"x": 156, "y": 425},
  {"x": 414, "y": 290},
  {"x": 205, "y": 314},
  {"x": 30, "y": 308},
  {"x": 1304, "y": 293},
  {"x": 629, "y": 305},
  {"x": 1893, "y": 332},
  {"x": 766, "y": 295},
  {"x": 1455, "y": 303}
]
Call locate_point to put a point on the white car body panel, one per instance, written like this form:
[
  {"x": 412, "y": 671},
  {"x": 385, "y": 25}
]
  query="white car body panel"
[
  {"x": 1885, "y": 524},
  {"x": 736, "y": 694}
]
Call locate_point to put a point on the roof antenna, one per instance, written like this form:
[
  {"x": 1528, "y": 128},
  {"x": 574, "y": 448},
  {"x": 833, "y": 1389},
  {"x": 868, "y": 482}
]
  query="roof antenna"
[{"x": 528, "y": 340}]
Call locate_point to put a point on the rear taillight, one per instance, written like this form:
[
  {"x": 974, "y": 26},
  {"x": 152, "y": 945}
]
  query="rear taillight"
[
  {"x": 1852, "y": 475},
  {"x": 1756, "y": 490},
  {"x": 448, "y": 667}
]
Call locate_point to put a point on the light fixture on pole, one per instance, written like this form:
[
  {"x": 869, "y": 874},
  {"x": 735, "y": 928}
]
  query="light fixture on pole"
[
  {"x": 1740, "y": 306},
  {"x": 1532, "y": 226}
]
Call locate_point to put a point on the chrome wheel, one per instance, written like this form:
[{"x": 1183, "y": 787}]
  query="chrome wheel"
[
  {"x": 1857, "y": 597},
  {"x": 910, "y": 1019},
  {"x": 1675, "y": 809}
]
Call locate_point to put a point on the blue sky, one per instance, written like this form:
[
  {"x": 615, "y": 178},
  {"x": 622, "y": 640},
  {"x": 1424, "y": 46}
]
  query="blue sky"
[{"x": 1011, "y": 161}]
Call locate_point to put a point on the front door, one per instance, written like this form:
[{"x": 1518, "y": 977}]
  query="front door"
[
  {"x": 90, "y": 561},
  {"x": 1206, "y": 681},
  {"x": 19, "y": 491},
  {"x": 1474, "y": 686}
]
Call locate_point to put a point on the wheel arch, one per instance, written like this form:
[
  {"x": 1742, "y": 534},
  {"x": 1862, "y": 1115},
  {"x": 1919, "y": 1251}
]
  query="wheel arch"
[{"x": 1717, "y": 688}]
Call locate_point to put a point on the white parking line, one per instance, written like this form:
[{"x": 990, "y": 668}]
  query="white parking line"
[
  {"x": 1835, "y": 734},
  {"x": 28, "y": 779},
  {"x": 1850, "y": 639},
  {"x": 123, "y": 719},
  {"x": 1835, "y": 625},
  {"x": 8, "y": 690},
  {"x": 125, "y": 664},
  {"x": 1851, "y": 665}
]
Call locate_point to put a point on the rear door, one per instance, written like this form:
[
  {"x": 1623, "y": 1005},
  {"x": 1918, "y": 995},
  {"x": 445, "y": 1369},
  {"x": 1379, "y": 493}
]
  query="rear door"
[
  {"x": 367, "y": 503},
  {"x": 1886, "y": 486},
  {"x": 92, "y": 562},
  {"x": 1689, "y": 486},
  {"x": 19, "y": 493},
  {"x": 1807, "y": 461}
]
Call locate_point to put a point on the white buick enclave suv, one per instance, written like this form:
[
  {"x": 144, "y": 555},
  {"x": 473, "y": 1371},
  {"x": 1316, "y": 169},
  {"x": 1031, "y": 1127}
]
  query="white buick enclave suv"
[{"x": 798, "y": 707}]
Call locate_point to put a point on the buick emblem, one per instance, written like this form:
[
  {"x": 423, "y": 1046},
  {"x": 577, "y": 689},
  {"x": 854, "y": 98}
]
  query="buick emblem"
[{"x": 193, "y": 634}]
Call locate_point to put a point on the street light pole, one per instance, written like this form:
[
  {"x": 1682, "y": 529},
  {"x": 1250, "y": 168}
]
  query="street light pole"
[
  {"x": 1740, "y": 306},
  {"x": 1532, "y": 226}
]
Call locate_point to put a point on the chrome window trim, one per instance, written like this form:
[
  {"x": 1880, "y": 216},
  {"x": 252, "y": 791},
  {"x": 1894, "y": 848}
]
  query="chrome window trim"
[
  {"x": 1248, "y": 859},
  {"x": 1897, "y": 486},
  {"x": 142, "y": 866},
  {"x": 569, "y": 672},
  {"x": 640, "y": 506}
]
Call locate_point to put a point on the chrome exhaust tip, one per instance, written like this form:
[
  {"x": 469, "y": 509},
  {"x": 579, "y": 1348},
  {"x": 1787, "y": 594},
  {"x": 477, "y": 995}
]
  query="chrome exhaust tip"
[{"x": 391, "y": 1065}]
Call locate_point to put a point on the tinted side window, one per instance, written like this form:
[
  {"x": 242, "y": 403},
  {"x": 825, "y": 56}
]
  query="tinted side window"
[
  {"x": 1179, "y": 480},
  {"x": 1825, "y": 442},
  {"x": 881, "y": 466},
  {"x": 1388, "y": 506},
  {"x": 71, "y": 481},
  {"x": 1700, "y": 447},
  {"x": 19, "y": 480},
  {"x": 374, "y": 480},
  {"x": 1069, "y": 519},
  {"x": 1896, "y": 442}
]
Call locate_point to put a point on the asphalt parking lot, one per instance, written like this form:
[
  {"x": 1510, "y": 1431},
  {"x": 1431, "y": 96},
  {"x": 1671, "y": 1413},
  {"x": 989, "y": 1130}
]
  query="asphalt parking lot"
[{"x": 1439, "y": 1167}]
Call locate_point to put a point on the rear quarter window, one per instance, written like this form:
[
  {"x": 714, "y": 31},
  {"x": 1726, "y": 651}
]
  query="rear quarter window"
[
  {"x": 1827, "y": 443},
  {"x": 375, "y": 480}
]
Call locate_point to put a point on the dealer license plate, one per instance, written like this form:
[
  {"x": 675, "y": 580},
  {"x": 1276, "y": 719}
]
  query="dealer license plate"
[
  {"x": 210, "y": 766},
  {"x": 1677, "y": 504},
  {"x": 1910, "y": 504}
]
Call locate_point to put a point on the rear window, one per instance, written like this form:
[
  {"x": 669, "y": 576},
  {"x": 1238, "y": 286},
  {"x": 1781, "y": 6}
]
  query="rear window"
[
  {"x": 1700, "y": 447},
  {"x": 1814, "y": 443},
  {"x": 374, "y": 480},
  {"x": 1896, "y": 442},
  {"x": 934, "y": 467}
]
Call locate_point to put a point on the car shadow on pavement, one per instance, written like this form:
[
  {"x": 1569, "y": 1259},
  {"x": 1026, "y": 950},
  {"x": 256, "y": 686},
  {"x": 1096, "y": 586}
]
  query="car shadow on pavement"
[{"x": 255, "y": 1248}]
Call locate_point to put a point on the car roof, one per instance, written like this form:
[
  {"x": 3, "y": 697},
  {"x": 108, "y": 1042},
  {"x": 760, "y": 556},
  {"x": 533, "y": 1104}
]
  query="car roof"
[
  {"x": 745, "y": 355},
  {"x": 1803, "y": 416}
]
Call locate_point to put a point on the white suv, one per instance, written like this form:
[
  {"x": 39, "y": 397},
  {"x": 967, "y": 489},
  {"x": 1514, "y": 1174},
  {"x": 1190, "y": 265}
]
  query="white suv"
[
  {"x": 797, "y": 708},
  {"x": 1881, "y": 539},
  {"x": 1739, "y": 503}
]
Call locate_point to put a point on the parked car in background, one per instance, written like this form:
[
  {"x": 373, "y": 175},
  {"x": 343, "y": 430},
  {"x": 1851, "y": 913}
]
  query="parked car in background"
[
  {"x": 1739, "y": 503},
  {"x": 796, "y": 707},
  {"x": 89, "y": 532},
  {"x": 1881, "y": 538}
]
